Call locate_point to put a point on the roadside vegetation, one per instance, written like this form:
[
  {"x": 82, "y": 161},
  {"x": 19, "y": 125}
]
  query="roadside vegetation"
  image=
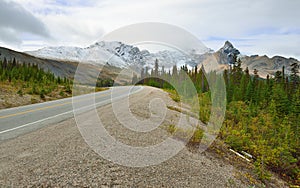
[
  {"x": 262, "y": 115},
  {"x": 27, "y": 81}
]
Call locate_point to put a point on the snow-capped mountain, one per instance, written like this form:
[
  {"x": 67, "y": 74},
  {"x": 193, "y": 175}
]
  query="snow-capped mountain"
[
  {"x": 122, "y": 55},
  {"x": 229, "y": 52},
  {"x": 118, "y": 54}
]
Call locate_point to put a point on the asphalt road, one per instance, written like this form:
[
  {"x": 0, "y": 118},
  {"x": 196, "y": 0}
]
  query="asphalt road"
[{"x": 24, "y": 119}]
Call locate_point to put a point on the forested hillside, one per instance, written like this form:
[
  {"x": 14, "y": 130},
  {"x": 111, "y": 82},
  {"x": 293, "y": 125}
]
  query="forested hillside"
[
  {"x": 28, "y": 79},
  {"x": 262, "y": 116},
  {"x": 27, "y": 82}
]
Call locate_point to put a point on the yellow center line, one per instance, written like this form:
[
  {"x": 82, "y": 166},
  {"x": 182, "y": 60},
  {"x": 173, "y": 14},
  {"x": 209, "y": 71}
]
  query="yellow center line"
[{"x": 46, "y": 107}]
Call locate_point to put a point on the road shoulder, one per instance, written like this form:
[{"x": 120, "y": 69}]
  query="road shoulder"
[{"x": 57, "y": 155}]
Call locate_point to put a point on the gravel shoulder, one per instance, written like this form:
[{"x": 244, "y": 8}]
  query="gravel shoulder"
[{"x": 58, "y": 156}]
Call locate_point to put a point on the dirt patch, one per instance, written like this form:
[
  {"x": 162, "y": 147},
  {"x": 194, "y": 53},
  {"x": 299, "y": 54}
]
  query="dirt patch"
[{"x": 9, "y": 96}]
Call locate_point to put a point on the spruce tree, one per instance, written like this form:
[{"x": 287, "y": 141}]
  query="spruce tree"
[{"x": 294, "y": 75}]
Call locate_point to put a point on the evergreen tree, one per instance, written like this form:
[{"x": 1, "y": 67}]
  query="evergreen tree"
[
  {"x": 278, "y": 76},
  {"x": 155, "y": 68},
  {"x": 281, "y": 98},
  {"x": 294, "y": 76}
]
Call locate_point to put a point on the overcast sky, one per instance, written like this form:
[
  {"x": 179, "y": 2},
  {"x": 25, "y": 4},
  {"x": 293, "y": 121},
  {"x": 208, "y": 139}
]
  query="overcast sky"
[{"x": 270, "y": 27}]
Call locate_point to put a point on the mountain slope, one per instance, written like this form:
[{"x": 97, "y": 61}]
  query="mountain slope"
[
  {"x": 117, "y": 54},
  {"x": 64, "y": 68},
  {"x": 59, "y": 68},
  {"x": 127, "y": 56},
  {"x": 264, "y": 64}
]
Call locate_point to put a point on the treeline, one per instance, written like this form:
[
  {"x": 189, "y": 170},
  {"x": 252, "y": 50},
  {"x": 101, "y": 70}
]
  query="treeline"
[
  {"x": 167, "y": 79},
  {"x": 31, "y": 79},
  {"x": 104, "y": 82},
  {"x": 262, "y": 116}
]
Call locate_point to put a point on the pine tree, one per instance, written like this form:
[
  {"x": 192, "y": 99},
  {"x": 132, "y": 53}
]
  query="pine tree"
[
  {"x": 294, "y": 76},
  {"x": 278, "y": 76},
  {"x": 156, "y": 68},
  {"x": 14, "y": 63},
  {"x": 202, "y": 78},
  {"x": 163, "y": 71},
  {"x": 195, "y": 74},
  {"x": 296, "y": 115},
  {"x": 5, "y": 63},
  {"x": 282, "y": 101}
]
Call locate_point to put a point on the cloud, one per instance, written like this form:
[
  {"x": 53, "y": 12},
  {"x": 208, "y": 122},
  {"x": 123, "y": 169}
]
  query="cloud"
[
  {"x": 75, "y": 31},
  {"x": 15, "y": 20},
  {"x": 272, "y": 44},
  {"x": 74, "y": 2},
  {"x": 252, "y": 25},
  {"x": 9, "y": 36},
  {"x": 71, "y": 23}
]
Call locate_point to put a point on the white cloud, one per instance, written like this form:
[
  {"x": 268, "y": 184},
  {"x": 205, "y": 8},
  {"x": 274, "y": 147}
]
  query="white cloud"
[
  {"x": 262, "y": 21},
  {"x": 283, "y": 45},
  {"x": 15, "y": 20}
]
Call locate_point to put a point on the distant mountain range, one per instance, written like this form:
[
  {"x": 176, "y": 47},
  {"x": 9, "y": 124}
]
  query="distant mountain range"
[
  {"x": 122, "y": 55},
  {"x": 263, "y": 64},
  {"x": 117, "y": 55}
]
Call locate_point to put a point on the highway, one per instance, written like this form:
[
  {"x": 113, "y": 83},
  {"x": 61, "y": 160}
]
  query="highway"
[{"x": 24, "y": 119}]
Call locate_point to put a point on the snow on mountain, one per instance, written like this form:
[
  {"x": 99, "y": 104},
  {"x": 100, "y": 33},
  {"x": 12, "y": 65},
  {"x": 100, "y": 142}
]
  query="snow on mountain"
[
  {"x": 227, "y": 53},
  {"x": 127, "y": 56},
  {"x": 95, "y": 54},
  {"x": 117, "y": 54}
]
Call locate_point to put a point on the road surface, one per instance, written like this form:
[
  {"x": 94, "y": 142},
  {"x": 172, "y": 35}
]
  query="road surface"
[{"x": 21, "y": 120}]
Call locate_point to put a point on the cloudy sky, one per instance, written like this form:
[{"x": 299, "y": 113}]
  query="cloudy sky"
[{"x": 270, "y": 27}]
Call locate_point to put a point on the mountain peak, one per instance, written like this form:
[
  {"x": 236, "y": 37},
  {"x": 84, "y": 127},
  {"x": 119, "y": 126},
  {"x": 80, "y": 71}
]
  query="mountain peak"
[
  {"x": 229, "y": 52},
  {"x": 228, "y": 45},
  {"x": 228, "y": 48}
]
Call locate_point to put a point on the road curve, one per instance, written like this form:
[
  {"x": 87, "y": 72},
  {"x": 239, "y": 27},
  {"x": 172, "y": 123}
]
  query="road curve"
[{"x": 24, "y": 119}]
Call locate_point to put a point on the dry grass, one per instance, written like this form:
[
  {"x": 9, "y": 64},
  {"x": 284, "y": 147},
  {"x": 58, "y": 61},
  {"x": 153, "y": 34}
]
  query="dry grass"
[
  {"x": 173, "y": 95},
  {"x": 17, "y": 94},
  {"x": 10, "y": 95},
  {"x": 98, "y": 89}
]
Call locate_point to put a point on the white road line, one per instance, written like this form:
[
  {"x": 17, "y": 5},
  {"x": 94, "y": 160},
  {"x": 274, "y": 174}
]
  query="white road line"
[
  {"x": 55, "y": 101},
  {"x": 41, "y": 120}
]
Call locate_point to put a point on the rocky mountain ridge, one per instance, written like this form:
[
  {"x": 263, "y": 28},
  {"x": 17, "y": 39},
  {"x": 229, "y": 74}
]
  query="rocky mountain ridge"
[{"x": 118, "y": 54}]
